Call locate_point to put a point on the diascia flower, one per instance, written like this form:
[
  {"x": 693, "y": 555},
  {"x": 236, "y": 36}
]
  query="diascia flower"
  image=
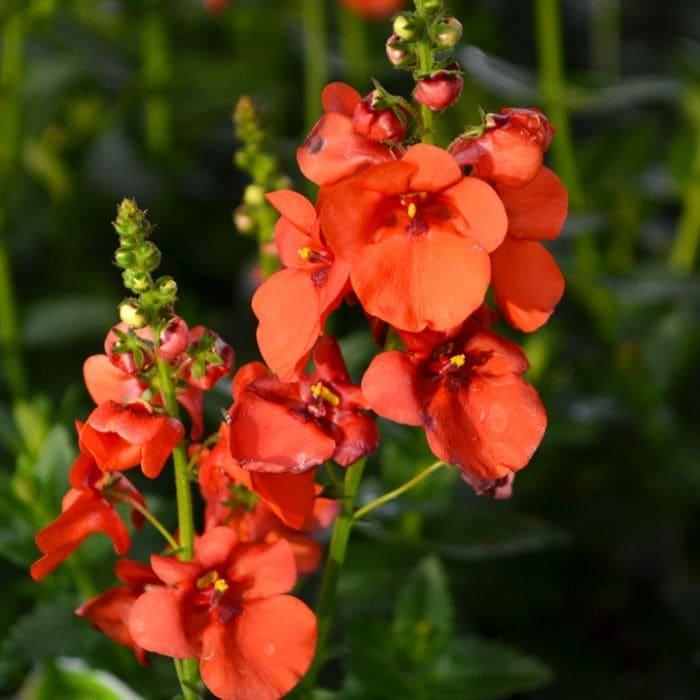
[
  {"x": 469, "y": 395},
  {"x": 122, "y": 435},
  {"x": 416, "y": 234},
  {"x": 334, "y": 149},
  {"x": 88, "y": 508},
  {"x": 228, "y": 608},
  {"x": 293, "y": 304},
  {"x": 109, "y": 612},
  {"x": 292, "y": 428}
]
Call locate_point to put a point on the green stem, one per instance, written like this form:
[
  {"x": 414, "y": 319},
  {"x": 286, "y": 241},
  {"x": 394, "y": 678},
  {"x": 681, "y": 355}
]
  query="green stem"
[
  {"x": 391, "y": 495},
  {"x": 424, "y": 53},
  {"x": 188, "y": 672},
  {"x": 11, "y": 76},
  {"x": 334, "y": 566},
  {"x": 353, "y": 47},
  {"x": 687, "y": 241},
  {"x": 315, "y": 57},
  {"x": 154, "y": 521},
  {"x": 156, "y": 76},
  {"x": 552, "y": 84}
]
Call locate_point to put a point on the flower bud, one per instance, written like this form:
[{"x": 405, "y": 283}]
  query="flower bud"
[
  {"x": 131, "y": 313},
  {"x": 173, "y": 339},
  {"x": 254, "y": 196},
  {"x": 124, "y": 257},
  {"x": 209, "y": 359},
  {"x": 165, "y": 291},
  {"x": 137, "y": 281},
  {"x": 441, "y": 89},
  {"x": 129, "y": 351},
  {"x": 131, "y": 221},
  {"x": 431, "y": 5},
  {"x": 242, "y": 220},
  {"x": 404, "y": 26},
  {"x": 395, "y": 52},
  {"x": 447, "y": 33},
  {"x": 378, "y": 124},
  {"x": 147, "y": 255}
]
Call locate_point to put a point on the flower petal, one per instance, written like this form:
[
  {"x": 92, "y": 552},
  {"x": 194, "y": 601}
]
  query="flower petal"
[
  {"x": 105, "y": 382},
  {"x": 263, "y": 653},
  {"x": 437, "y": 169},
  {"x": 356, "y": 436},
  {"x": 290, "y": 496},
  {"x": 294, "y": 207},
  {"x": 527, "y": 283},
  {"x": 155, "y": 453},
  {"x": 340, "y": 98},
  {"x": 215, "y": 546},
  {"x": 538, "y": 210},
  {"x": 265, "y": 569}
]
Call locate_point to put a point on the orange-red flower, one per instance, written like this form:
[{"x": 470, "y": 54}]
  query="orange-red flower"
[
  {"x": 231, "y": 500},
  {"x": 469, "y": 395},
  {"x": 109, "y": 612},
  {"x": 88, "y": 508},
  {"x": 228, "y": 608},
  {"x": 208, "y": 359},
  {"x": 293, "y": 304},
  {"x": 122, "y": 435},
  {"x": 374, "y": 9},
  {"x": 416, "y": 234},
  {"x": 334, "y": 149},
  {"x": 292, "y": 428}
]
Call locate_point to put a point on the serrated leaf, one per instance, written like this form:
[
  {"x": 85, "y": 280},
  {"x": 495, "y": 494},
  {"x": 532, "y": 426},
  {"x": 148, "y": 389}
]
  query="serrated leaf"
[{"x": 424, "y": 613}]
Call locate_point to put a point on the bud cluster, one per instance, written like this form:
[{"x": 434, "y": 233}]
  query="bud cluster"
[
  {"x": 139, "y": 257},
  {"x": 418, "y": 40}
]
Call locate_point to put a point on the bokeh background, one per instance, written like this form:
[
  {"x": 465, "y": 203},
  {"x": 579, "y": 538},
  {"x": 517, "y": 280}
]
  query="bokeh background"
[{"x": 592, "y": 570}]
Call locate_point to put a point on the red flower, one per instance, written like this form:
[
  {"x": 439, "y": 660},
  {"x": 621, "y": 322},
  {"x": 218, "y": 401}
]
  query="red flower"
[
  {"x": 440, "y": 89},
  {"x": 109, "y": 611},
  {"x": 379, "y": 124},
  {"x": 374, "y": 9},
  {"x": 510, "y": 150},
  {"x": 228, "y": 609},
  {"x": 293, "y": 304},
  {"x": 88, "y": 508},
  {"x": 334, "y": 149},
  {"x": 120, "y": 436},
  {"x": 282, "y": 428},
  {"x": 469, "y": 395},
  {"x": 417, "y": 236},
  {"x": 208, "y": 359}
]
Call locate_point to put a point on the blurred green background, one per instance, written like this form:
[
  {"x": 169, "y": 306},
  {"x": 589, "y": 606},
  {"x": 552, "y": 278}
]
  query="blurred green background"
[{"x": 593, "y": 568}]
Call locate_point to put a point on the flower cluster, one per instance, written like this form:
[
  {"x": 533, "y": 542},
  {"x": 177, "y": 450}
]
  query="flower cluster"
[{"x": 412, "y": 235}]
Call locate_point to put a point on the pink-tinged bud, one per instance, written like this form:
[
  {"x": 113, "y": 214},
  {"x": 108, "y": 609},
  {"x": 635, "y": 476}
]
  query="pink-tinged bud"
[
  {"x": 448, "y": 33},
  {"x": 173, "y": 340},
  {"x": 441, "y": 89},
  {"x": 126, "y": 352},
  {"x": 378, "y": 124},
  {"x": 395, "y": 52},
  {"x": 209, "y": 359},
  {"x": 511, "y": 149}
]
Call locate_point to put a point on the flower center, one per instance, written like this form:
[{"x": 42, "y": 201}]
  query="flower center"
[{"x": 322, "y": 392}]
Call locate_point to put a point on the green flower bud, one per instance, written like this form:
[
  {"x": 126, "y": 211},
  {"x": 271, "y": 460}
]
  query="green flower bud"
[
  {"x": 137, "y": 281},
  {"x": 447, "y": 33},
  {"x": 124, "y": 257},
  {"x": 147, "y": 255},
  {"x": 254, "y": 196},
  {"x": 165, "y": 291},
  {"x": 404, "y": 26},
  {"x": 131, "y": 313},
  {"x": 131, "y": 221}
]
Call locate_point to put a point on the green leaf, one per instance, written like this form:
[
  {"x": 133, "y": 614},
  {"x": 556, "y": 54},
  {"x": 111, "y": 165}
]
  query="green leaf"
[
  {"x": 474, "y": 669},
  {"x": 424, "y": 613},
  {"x": 71, "y": 678},
  {"x": 53, "y": 463}
]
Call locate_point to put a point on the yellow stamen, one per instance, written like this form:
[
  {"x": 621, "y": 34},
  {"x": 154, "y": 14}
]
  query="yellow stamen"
[
  {"x": 305, "y": 252},
  {"x": 206, "y": 580},
  {"x": 220, "y": 585},
  {"x": 412, "y": 210},
  {"x": 458, "y": 360},
  {"x": 323, "y": 392}
]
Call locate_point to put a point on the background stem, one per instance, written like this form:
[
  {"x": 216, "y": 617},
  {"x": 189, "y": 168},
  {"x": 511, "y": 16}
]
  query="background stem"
[
  {"x": 156, "y": 75},
  {"x": 337, "y": 551},
  {"x": 354, "y": 48},
  {"x": 315, "y": 58}
]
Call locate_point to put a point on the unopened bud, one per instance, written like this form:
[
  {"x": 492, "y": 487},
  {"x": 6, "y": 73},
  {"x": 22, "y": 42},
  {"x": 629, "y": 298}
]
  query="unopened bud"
[
  {"x": 441, "y": 89},
  {"x": 448, "y": 33},
  {"x": 131, "y": 221},
  {"x": 165, "y": 290},
  {"x": 137, "y": 281},
  {"x": 242, "y": 220},
  {"x": 254, "y": 196},
  {"x": 395, "y": 52},
  {"x": 404, "y": 26},
  {"x": 124, "y": 257},
  {"x": 130, "y": 313},
  {"x": 147, "y": 255}
]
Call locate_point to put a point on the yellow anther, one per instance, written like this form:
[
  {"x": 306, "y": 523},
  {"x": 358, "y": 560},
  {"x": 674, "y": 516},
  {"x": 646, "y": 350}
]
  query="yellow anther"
[
  {"x": 412, "y": 210},
  {"x": 458, "y": 360},
  {"x": 220, "y": 585},
  {"x": 305, "y": 252},
  {"x": 206, "y": 580},
  {"x": 323, "y": 392}
]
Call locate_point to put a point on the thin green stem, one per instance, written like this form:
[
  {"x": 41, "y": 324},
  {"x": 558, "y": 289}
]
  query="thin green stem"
[
  {"x": 552, "y": 82},
  {"x": 353, "y": 47},
  {"x": 315, "y": 57},
  {"x": 337, "y": 552},
  {"x": 11, "y": 76},
  {"x": 188, "y": 673},
  {"x": 425, "y": 64},
  {"x": 154, "y": 521},
  {"x": 685, "y": 246},
  {"x": 391, "y": 495},
  {"x": 156, "y": 76}
]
